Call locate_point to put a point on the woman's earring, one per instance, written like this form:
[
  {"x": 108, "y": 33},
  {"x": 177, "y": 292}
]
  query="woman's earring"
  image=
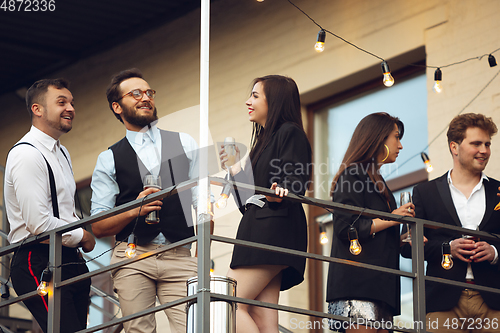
[{"x": 387, "y": 148}]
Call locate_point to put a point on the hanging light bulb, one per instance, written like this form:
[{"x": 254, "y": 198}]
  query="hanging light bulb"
[
  {"x": 354, "y": 246},
  {"x": 222, "y": 201},
  {"x": 427, "y": 161},
  {"x": 224, "y": 195},
  {"x": 5, "y": 290},
  {"x": 492, "y": 61},
  {"x": 320, "y": 41},
  {"x": 131, "y": 250},
  {"x": 388, "y": 79},
  {"x": 447, "y": 262},
  {"x": 438, "y": 77},
  {"x": 260, "y": 0},
  {"x": 212, "y": 267},
  {"x": 43, "y": 287},
  {"x": 323, "y": 239}
]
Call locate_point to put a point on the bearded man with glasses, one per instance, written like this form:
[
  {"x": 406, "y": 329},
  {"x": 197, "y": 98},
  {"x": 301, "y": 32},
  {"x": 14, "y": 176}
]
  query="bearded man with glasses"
[{"x": 118, "y": 179}]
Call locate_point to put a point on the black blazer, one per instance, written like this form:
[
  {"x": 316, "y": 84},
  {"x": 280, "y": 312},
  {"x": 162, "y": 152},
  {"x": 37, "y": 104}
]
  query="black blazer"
[
  {"x": 354, "y": 187},
  {"x": 433, "y": 202},
  {"x": 285, "y": 160}
]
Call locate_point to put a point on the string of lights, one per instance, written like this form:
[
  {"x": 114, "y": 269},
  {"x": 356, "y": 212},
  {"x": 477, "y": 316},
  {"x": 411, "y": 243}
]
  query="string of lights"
[
  {"x": 388, "y": 80},
  {"x": 320, "y": 47},
  {"x": 130, "y": 252},
  {"x": 444, "y": 129}
]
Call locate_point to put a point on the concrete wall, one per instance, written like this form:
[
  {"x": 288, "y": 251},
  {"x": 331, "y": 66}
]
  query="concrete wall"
[{"x": 250, "y": 39}]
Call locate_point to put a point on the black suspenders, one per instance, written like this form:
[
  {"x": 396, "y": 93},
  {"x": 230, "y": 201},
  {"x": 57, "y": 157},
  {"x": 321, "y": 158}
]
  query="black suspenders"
[{"x": 52, "y": 183}]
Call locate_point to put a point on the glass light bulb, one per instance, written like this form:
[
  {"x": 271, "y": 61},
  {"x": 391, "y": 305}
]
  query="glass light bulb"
[
  {"x": 319, "y": 46},
  {"x": 260, "y": 0},
  {"x": 447, "y": 262},
  {"x": 42, "y": 289},
  {"x": 130, "y": 252},
  {"x": 437, "y": 86},
  {"x": 222, "y": 201},
  {"x": 323, "y": 239},
  {"x": 428, "y": 166},
  {"x": 388, "y": 79},
  {"x": 211, "y": 271},
  {"x": 355, "y": 247}
]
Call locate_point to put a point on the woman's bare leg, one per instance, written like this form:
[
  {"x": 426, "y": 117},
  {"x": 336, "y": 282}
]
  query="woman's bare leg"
[{"x": 251, "y": 281}]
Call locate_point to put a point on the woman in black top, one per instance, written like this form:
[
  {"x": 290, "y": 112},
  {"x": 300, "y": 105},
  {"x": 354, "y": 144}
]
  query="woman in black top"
[
  {"x": 354, "y": 292},
  {"x": 279, "y": 159}
]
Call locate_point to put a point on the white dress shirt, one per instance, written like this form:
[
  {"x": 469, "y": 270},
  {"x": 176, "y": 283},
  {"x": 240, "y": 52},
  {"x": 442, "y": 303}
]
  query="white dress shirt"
[
  {"x": 27, "y": 191},
  {"x": 470, "y": 210}
]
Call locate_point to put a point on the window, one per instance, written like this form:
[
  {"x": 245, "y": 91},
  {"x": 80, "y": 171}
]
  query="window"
[{"x": 334, "y": 124}]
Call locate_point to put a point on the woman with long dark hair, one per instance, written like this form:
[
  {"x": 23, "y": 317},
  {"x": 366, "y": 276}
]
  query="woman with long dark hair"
[
  {"x": 279, "y": 159},
  {"x": 356, "y": 293}
]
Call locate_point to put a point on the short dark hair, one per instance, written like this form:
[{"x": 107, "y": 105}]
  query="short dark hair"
[
  {"x": 113, "y": 92},
  {"x": 460, "y": 124},
  {"x": 36, "y": 93}
]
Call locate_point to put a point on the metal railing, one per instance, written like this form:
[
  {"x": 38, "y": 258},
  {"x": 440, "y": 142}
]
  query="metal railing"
[{"x": 204, "y": 295}]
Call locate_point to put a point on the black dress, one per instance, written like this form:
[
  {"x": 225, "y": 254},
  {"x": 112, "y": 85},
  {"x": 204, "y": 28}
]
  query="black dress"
[
  {"x": 354, "y": 187},
  {"x": 286, "y": 161}
]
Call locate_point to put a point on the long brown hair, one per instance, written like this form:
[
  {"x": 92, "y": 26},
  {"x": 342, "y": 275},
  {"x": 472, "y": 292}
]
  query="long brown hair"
[
  {"x": 366, "y": 144},
  {"x": 283, "y": 105}
]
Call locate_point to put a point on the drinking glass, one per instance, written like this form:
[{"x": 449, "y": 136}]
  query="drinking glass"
[
  {"x": 230, "y": 148},
  {"x": 406, "y": 198},
  {"x": 151, "y": 181},
  {"x": 474, "y": 238}
]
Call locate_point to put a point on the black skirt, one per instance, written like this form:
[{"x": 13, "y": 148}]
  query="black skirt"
[{"x": 273, "y": 226}]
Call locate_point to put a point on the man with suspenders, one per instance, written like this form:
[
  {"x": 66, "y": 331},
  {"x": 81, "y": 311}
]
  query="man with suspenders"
[{"x": 39, "y": 196}]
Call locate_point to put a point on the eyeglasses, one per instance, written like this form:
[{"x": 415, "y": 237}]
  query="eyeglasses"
[{"x": 138, "y": 93}]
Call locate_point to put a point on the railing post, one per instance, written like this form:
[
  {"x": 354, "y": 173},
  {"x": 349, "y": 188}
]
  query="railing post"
[
  {"x": 203, "y": 184},
  {"x": 54, "y": 315},
  {"x": 203, "y": 300},
  {"x": 417, "y": 255}
]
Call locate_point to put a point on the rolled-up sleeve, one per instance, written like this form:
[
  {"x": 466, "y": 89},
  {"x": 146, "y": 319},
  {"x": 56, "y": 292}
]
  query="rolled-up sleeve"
[{"x": 104, "y": 186}]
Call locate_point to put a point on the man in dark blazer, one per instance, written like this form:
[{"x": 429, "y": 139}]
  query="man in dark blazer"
[{"x": 463, "y": 197}]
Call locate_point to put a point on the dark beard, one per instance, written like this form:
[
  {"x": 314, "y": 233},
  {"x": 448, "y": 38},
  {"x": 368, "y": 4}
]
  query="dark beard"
[
  {"x": 131, "y": 117},
  {"x": 57, "y": 125}
]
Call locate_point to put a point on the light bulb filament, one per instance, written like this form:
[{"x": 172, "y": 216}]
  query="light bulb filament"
[
  {"x": 428, "y": 166},
  {"x": 319, "y": 46},
  {"x": 437, "y": 87},
  {"x": 42, "y": 288},
  {"x": 131, "y": 251},
  {"x": 355, "y": 247},
  {"x": 323, "y": 239},
  {"x": 222, "y": 201},
  {"x": 388, "y": 79},
  {"x": 447, "y": 262}
]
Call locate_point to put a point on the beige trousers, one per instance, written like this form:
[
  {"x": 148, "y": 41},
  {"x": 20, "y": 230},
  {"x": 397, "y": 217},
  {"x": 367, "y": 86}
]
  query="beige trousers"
[
  {"x": 471, "y": 314},
  {"x": 163, "y": 276}
]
